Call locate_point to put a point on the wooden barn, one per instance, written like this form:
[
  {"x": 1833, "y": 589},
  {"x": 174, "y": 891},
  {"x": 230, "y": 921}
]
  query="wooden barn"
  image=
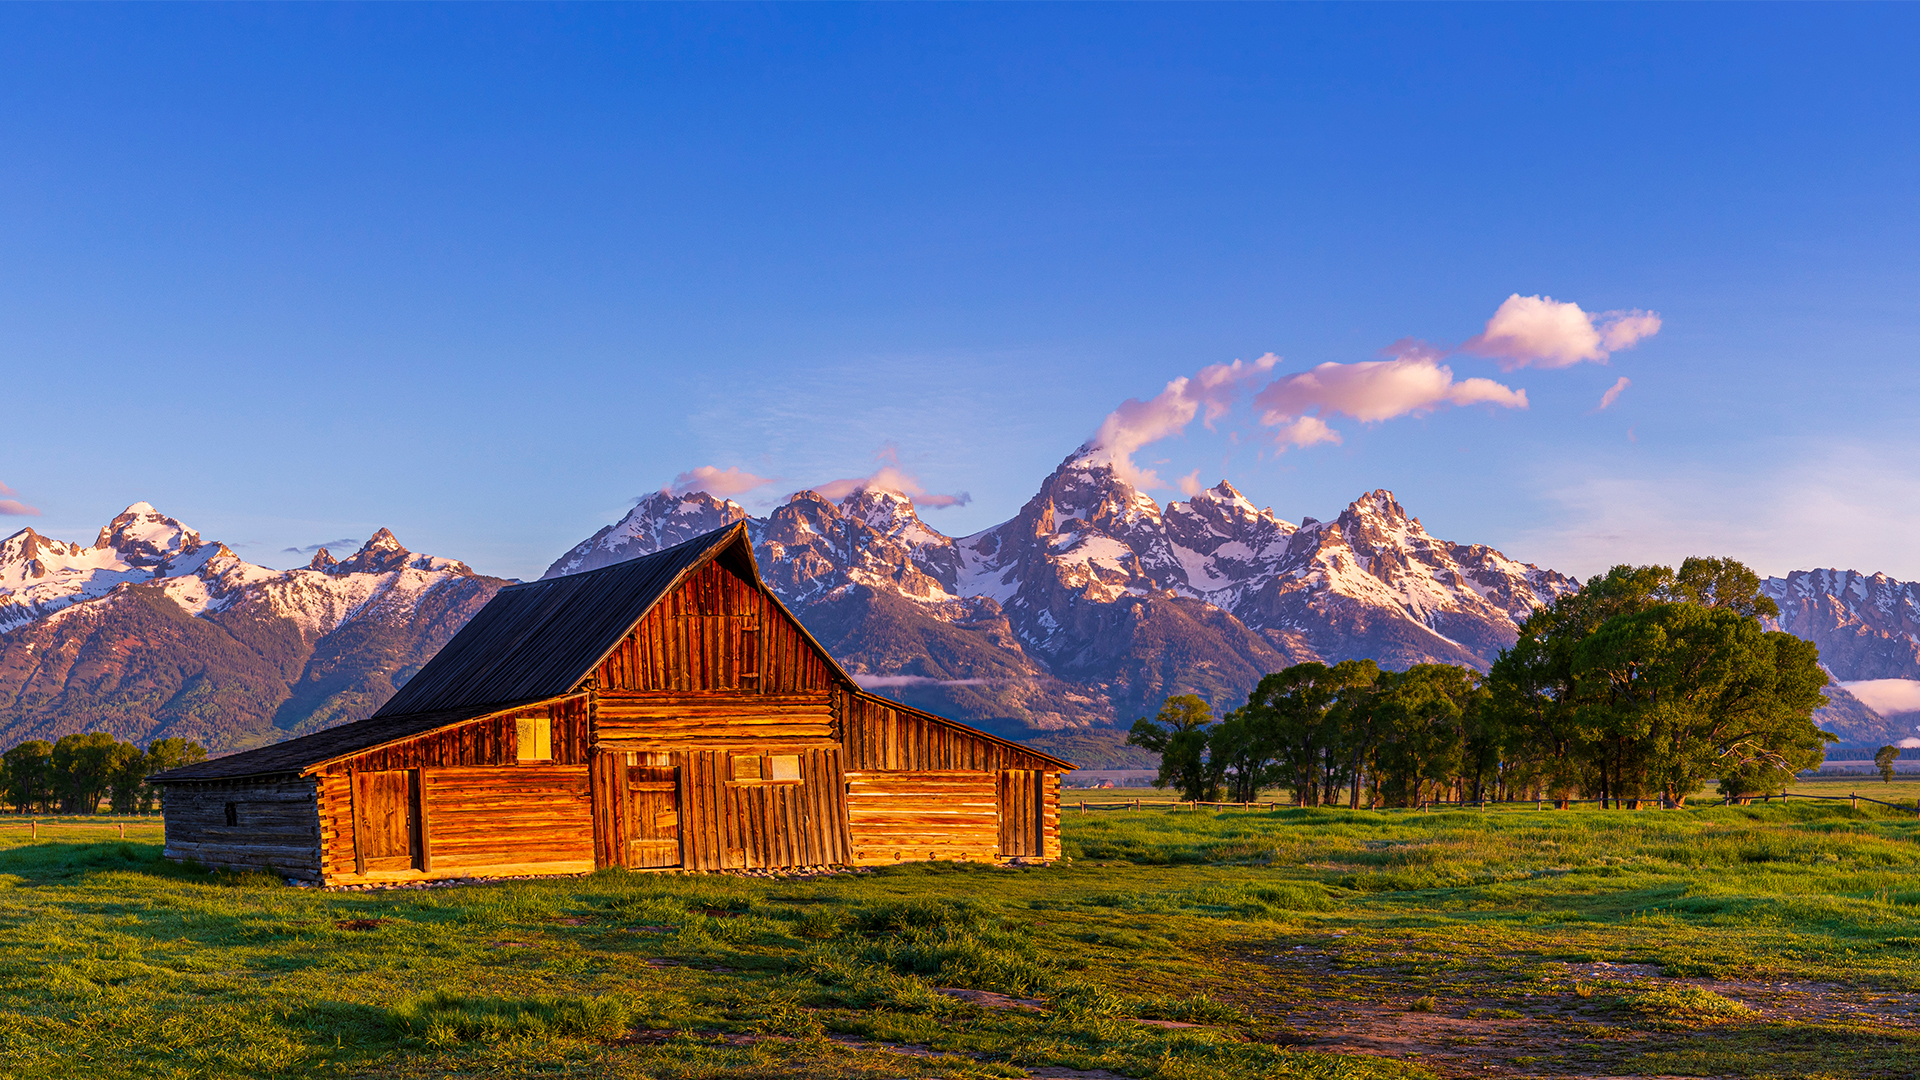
[{"x": 666, "y": 712}]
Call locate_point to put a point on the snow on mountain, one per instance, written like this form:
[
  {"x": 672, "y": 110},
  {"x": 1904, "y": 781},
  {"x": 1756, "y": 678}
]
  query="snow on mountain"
[
  {"x": 1866, "y": 625},
  {"x": 271, "y": 646},
  {"x": 660, "y": 520},
  {"x": 1095, "y": 583}
]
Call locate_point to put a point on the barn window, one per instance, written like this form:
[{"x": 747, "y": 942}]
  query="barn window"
[
  {"x": 535, "y": 738},
  {"x": 233, "y": 814},
  {"x": 766, "y": 769}
]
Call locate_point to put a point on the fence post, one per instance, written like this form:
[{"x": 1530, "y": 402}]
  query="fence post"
[
  {"x": 1856, "y": 800},
  {"x": 36, "y": 830},
  {"x": 123, "y": 830}
]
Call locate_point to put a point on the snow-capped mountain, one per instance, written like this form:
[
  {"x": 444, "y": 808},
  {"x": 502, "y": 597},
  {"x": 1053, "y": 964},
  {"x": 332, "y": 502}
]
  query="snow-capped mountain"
[
  {"x": 151, "y": 631},
  {"x": 1094, "y": 602},
  {"x": 1867, "y": 625}
]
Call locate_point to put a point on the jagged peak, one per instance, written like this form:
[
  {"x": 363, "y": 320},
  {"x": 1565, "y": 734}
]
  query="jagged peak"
[
  {"x": 323, "y": 561},
  {"x": 383, "y": 540},
  {"x": 143, "y": 536}
]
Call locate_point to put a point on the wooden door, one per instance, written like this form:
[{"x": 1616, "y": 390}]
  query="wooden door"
[
  {"x": 385, "y": 830},
  {"x": 653, "y": 807},
  {"x": 1020, "y": 824}
]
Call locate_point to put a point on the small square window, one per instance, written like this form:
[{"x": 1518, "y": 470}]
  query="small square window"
[
  {"x": 783, "y": 767},
  {"x": 746, "y": 767},
  {"x": 233, "y": 814},
  {"x": 535, "y": 738}
]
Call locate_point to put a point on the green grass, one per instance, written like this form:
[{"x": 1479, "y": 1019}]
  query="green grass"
[{"x": 1544, "y": 942}]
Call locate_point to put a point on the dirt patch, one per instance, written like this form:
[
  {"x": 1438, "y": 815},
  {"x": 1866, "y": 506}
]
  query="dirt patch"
[
  {"x": 1568, "y": 1020},
  {"x": 990, "y": 1000},
  {"x": 360, "y": 924}
]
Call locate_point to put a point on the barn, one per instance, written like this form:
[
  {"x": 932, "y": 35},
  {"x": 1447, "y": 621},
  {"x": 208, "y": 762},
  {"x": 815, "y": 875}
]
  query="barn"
[{"x": 663, "y": 713}]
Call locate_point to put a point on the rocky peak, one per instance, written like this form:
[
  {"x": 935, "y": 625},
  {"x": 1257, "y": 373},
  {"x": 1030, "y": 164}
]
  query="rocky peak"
[
  {"x": 323, "y": 561},
  {"x": 660, "y": 520},
  {"x": 381, "y": 553},
  {"x": 144, "y": 537}
]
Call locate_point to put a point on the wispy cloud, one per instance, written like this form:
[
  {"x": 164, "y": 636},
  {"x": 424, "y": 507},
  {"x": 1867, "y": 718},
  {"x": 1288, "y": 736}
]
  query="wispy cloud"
[
  {"x": 1370, "y": 391},
  {"x": 876, "y": 681},
  {"x": 329, "y": 544},
  {"x": 1613, "y": 393},
  {"x": 1539, "y": 331},
  {"x": 1209, "y": 394},
  {"x": 1888, "y": 697},
  {"x": 14, "y": 507},
  {"x": 890, "y": 477},
  {"x": 725, "y": 483}
]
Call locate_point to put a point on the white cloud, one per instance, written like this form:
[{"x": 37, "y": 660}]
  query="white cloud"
[
  {"x": 1370, "y": 391},
  {"x": 1136, "y": 423},
  {"x": 714, "y": 481},
  {"x": 1613, "y": 393},
  {"x": 1887, "y": 696},
  {"x": 1539, "y": 331},
  {"x": 890, "y": 477}
]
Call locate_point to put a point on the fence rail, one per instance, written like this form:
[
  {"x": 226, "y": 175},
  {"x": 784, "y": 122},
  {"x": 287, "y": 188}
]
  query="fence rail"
[
  {"x": 1539, "y": 804},
  {"x": 36, "y": 826}
]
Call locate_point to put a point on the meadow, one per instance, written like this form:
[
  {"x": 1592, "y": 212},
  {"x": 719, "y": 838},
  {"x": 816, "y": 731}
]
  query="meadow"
[{"x": 1767, "y": 940}]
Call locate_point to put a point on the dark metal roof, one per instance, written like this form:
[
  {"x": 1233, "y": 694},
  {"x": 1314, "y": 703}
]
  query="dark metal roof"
[
  {"x": 538, "y": 640},
  {"x": 292, "y": 756}
]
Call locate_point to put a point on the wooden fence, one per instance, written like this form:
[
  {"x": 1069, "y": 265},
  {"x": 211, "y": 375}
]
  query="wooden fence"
[
  {"x": 36, "y": 826},
  {"x": 1539, "y": 804}
]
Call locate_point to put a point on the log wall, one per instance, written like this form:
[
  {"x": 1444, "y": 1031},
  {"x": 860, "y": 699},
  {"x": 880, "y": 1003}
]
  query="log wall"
[
  {"x": 685, "y": 721},
  {"x": 717, "y": 632},
  {"x": 912, "y": 816},
  {"x": 275, "y": 826}
]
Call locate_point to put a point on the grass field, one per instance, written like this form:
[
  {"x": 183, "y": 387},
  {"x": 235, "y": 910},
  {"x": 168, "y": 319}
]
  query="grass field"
[{"x": 1745, "y": 941}]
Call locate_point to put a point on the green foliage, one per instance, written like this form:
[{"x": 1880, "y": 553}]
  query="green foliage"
[
  {"x": 73, "y": 774},
  {"x": 1883, "y": 759},
  {"x": 1648, "y": 681},
  {"x": 1179, "y": 736}
]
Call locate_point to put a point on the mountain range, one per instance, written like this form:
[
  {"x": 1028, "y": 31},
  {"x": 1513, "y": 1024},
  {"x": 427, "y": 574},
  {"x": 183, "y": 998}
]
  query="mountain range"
[{"x": 1059, "y": 626}]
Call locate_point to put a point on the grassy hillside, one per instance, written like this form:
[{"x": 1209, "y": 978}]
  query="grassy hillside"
[{"x": 1755, "y": 941}]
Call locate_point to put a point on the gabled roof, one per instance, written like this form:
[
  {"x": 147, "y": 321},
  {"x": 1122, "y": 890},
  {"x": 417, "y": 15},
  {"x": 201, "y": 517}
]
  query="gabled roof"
[{"x": 538, "y": 640}]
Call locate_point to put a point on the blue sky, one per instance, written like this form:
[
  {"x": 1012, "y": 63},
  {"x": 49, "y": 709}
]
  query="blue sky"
[{"x": 486, "y": 274}]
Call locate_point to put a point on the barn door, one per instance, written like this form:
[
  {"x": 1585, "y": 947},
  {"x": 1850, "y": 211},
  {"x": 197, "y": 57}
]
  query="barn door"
[
  {"x": 386, "y": 833},
  {"x": 653, "y": 807},
  {"x": 1020, "y": 824}
]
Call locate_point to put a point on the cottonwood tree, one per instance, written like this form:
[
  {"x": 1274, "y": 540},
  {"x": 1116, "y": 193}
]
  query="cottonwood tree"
[
  {"x": 1296, "y": 718},
  {"x": 1883, "y": 759},
  {"x": 29, "y": 779},
  {"x": 1179, "y": 736}
]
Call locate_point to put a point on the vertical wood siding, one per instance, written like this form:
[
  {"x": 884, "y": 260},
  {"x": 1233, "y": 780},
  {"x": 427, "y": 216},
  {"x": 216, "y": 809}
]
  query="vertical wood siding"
[
  {"x": 716, "y": 632},
  {"x": 277, "y": 826}
]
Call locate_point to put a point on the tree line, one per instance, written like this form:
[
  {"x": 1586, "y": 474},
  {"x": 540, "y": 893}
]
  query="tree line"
[
  {"x": 74, "y": 774},
  {"x": 1644, "y": 684}
]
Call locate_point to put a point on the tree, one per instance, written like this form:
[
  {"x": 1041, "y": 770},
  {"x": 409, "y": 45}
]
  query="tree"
[
  {"x": 164, "y": 754},
  {"x": 1422, "y": 712},
  {"x": 1179, "y": 736},
  {"x": 84, "y": 767},
  {"x": 29, "y": 776},
  {"x": 1293, "y": 717},
  {"x": 1242, "y": 753},
  {"x": 1884, "y": 758},
  {"x": 1648, "y": 680}
]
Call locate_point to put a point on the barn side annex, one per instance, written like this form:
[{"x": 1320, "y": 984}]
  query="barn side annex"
[{"x": 666, "y": 712}]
